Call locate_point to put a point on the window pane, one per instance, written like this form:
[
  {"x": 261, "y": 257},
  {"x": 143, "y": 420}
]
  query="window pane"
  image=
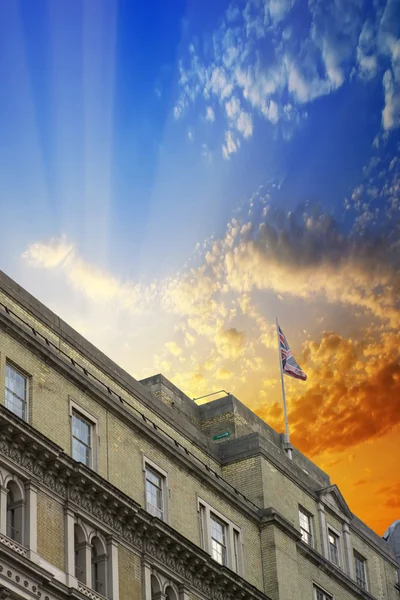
[
  {"x": 236, "y": 543},
  {"x": 305, "y": 527},
  {"x": 321, "y": 595},
  {"x": 218, "y": 543},
  {"x": 333, "y": 547},
  {"x": 80, "y": 452},
  {"x": 154, "y": 497},
  {"x": 360, "y": 571},
  {"x": 81, "y": 428},
  {"x": 15, "y": 392},
  {"x": 81, "y": 439}
]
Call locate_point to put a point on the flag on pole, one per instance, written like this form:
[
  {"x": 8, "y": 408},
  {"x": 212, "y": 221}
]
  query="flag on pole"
[{"x": 289, "y": 365}]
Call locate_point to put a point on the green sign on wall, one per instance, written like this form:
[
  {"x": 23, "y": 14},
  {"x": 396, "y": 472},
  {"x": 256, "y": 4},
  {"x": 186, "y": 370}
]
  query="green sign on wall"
[{"x": 221, "y": 435}]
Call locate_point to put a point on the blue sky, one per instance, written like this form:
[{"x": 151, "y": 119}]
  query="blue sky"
[{"x": 173, "y": 176}]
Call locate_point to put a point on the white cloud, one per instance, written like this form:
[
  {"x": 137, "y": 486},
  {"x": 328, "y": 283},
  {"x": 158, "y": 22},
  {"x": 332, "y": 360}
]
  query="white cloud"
[
  {"x": 391, "y": 111},
  {"x": 84, "y": 277},
  {"x": 231, "y": 145},
  {"x": 366, "y": 51},
  {"x": 232, "y": 108},
  {"x": 48, "y": 255},
  {"x": 304, "y": 63},
  {"x": 244, "y": 124},
  {"x": 210, "y": 115}
]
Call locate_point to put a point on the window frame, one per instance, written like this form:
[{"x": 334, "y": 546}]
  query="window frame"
[
  {"x": 225, "y": 539},
  {"x": 10, "y": 364},
  {"x": 93, "y": 422},
  {"x": 16, "y": 511},
  {"x": 310, "y": 518},
  {"x": 337, "y": 535},
  {"x": 233, "y": 536},
  {"x": 361, "y": 559},
  {"x": 150, "y": 465},
  {"x": 317, "y": 588}
]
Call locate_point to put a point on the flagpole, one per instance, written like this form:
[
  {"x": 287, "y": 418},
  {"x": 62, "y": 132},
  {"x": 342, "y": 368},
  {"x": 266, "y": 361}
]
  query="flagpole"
[{"x": 287, "y": 436}]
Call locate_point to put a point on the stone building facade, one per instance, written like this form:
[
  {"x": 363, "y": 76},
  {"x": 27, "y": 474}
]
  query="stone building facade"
[{"x": 126, "y": 490}]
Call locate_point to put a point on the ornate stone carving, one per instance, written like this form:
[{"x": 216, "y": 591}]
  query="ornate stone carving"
[{"x": 6, "y": 541}]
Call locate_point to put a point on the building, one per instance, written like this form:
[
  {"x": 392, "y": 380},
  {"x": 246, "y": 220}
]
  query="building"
[
  {"x": 126, "y": 490},
  {"x": 392, "y": 536}
]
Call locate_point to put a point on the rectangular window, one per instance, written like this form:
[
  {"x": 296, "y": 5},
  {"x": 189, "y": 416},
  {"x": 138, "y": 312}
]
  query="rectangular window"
[
  {"x": 16, "y": 392},
  {"x": 218, "y": 540},
  {"x": 333, "y": 543},
  {"x": 81, "y": 439},
  {"x": 237, "y": 551},
  {"x": 320, "y": 594},
  {"x": 154, "y": 493},
  {"x": 361, "y": 574},
  {"x": 305, "y": 527}
]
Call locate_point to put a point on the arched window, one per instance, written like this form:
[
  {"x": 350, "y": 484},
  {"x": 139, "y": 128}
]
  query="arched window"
[
  {"x": 80, "y": 553},
  {"x": 170, "y": 593},
  {"x": 155, "y": 588},
  {"x": 15, "y": 510},
  {"x": 99, "y": 566}
]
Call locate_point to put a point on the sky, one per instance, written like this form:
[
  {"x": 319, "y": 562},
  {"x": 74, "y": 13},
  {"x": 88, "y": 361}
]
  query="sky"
[{"x": 176, "y": 176}]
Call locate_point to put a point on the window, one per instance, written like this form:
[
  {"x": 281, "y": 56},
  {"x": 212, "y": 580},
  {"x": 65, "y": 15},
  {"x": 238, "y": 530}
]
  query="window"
[
  {"x": 305, "y": 527},
  {"x": 333, "y": 543},
  {"x": 81, "y": 439},
  {"x": 98, "y": 559},
  {"x": 236, "y": 550},
  {"x": 15, "y": 504},
  {"x": 320, "y": 594},
  {"x": 218, "y": 540},
  {"x": 156, "y": 489},
  {"x": 79, "y": 554},
  {"x": 16, "y": 392},
  {"x": 360, "y": 565},
  {"x": 92, "y": 558},
  {"x": 154, "y": 493}
]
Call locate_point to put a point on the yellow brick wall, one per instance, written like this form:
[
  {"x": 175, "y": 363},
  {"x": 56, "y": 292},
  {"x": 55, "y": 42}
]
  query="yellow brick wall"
[
  {"x": 126, "y": 452},
  {"x": 269, "y": 562},
  {"x": 308, "y": 573},
  {"x": 119, "y": 389},
  {"x": 50, "y": 530},
  {"x": 130, "y": 575},
  {"x": 120, "y": 455},
  {"x": 285, "y": 496},
  {"x": 378, "y": 571},
  {"x": 246, "y": 476}
]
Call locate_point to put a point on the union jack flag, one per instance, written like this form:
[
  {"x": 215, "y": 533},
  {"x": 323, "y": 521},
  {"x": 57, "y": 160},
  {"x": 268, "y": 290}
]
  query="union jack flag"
[{"x": 289, "y": 365}]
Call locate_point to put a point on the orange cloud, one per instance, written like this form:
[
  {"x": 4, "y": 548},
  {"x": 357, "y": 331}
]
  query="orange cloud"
[{"x": 352, "y": 395}]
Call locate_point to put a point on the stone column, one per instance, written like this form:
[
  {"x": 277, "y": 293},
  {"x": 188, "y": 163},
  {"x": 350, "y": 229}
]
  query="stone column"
[
  {"x": 88, "y": 564},
  {"x": 322, "y": 525},
  {"x": 183, "y": 594},
  {"x": 3, "y": 510},
  {"x": 147, "y": 580},
  {"x": 348, "y": 550},
  {"x": 69, "y": 521},
  {"x": 30, "y": 530},
  {"x": 112, "y": 570}
]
